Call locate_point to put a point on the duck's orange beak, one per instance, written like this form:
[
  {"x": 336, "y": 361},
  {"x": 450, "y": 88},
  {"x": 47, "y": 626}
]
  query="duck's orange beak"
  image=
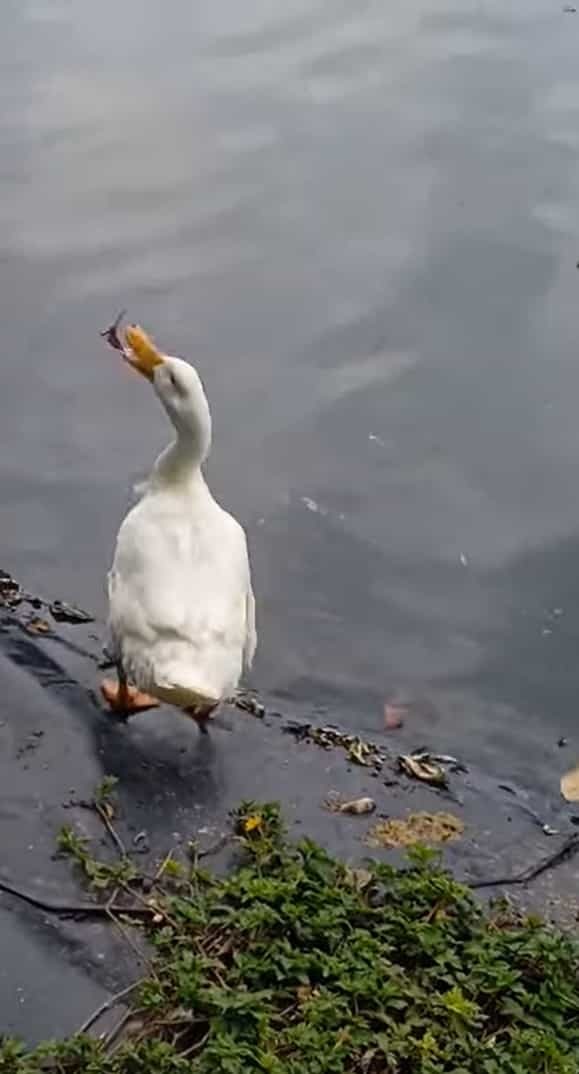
[{"x": 142, "y": 353}]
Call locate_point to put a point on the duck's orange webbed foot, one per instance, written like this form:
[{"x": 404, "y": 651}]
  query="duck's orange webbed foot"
[{"x": 125, "y": 700}]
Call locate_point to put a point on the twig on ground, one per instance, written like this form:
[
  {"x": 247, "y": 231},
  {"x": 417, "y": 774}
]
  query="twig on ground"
[
  {"x": 196, "y": 1047},
  {"x": 122, "y": 929},
  {"x": 111, "y": 830},
  {"x": 107, "y": 1006},
  {"x": 157, "y": 911},
  {"x": 163, "y": 865},
  {"x": 111, "y": 1042},
  {"x": 569, "y": 847}
]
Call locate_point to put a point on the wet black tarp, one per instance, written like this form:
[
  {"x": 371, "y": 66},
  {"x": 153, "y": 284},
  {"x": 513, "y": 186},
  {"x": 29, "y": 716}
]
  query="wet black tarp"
[{"x": 56, "y": 744}]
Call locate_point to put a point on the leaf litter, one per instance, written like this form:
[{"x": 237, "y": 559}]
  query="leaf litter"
[
  {"x": 417, "y": 828},
  {"x": 358, "y": 750},
  {"x": 12, "y": 594}
]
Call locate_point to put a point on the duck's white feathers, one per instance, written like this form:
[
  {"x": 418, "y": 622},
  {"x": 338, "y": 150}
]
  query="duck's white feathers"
[{"x": 182, "y": 611}]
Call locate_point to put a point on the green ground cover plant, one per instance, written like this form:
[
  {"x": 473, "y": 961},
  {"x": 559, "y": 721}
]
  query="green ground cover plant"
[{"x": 295, "y": 963}]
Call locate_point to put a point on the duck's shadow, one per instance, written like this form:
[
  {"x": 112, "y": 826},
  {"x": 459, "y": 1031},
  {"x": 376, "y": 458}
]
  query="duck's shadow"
[{"x": 169, "y": 774}]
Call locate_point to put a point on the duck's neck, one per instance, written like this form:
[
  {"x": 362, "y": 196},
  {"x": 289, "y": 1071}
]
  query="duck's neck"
[{"x": 179, "y": 465}]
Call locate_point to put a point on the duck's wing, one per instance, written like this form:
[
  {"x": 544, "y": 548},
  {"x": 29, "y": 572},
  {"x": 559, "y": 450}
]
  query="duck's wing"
[
  {"x": 180, "y": 598},
  {"x": 250, "y": 631}
]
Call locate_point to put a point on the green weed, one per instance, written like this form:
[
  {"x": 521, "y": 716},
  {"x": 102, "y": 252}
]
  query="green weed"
[{"x": 296, "y": 964}]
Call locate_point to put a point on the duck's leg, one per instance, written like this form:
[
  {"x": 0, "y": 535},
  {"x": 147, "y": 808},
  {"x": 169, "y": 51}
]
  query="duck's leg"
[
  {"x": 117, "y": 694},
  {"x": 124, "y": 700},
  {"x": 202, "y": 716}
]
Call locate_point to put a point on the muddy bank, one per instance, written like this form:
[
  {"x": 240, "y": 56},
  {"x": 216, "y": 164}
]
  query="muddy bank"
[{"x": 56, "y": 744}]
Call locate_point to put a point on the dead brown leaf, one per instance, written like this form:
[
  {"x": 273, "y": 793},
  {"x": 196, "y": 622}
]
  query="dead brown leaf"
[
  {"x": 358, "y": 806},
  {"x": 570, "y": 785},
  {"x": 37, "y": 626},
  {"x": 305, "y": 993},
  {"x": 359, "y": 752},
  {"x": 358, "y": 878},
  {"x": 424, "y": 770},
  {"x": 69, "y": 613}
]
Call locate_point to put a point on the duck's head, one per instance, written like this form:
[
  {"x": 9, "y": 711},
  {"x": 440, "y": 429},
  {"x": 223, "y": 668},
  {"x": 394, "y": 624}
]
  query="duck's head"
[{"x": 178, "y": 386}]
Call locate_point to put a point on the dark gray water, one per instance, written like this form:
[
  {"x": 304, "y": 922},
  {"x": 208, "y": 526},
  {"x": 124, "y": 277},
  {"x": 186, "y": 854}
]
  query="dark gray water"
[{"x": 361, "y": 222}]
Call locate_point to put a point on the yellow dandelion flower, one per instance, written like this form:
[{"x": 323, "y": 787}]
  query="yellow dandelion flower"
[{"x": 251, "y": 823}]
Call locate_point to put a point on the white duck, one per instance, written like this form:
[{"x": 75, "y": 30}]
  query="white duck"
[{"x": 181, "y": 605}]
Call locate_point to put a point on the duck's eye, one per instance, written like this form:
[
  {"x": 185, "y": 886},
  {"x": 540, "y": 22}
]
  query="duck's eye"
[{"x": 176, "y": 382}]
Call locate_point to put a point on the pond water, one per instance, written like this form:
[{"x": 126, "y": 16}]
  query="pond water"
[{"x": 361, "y": 222}]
